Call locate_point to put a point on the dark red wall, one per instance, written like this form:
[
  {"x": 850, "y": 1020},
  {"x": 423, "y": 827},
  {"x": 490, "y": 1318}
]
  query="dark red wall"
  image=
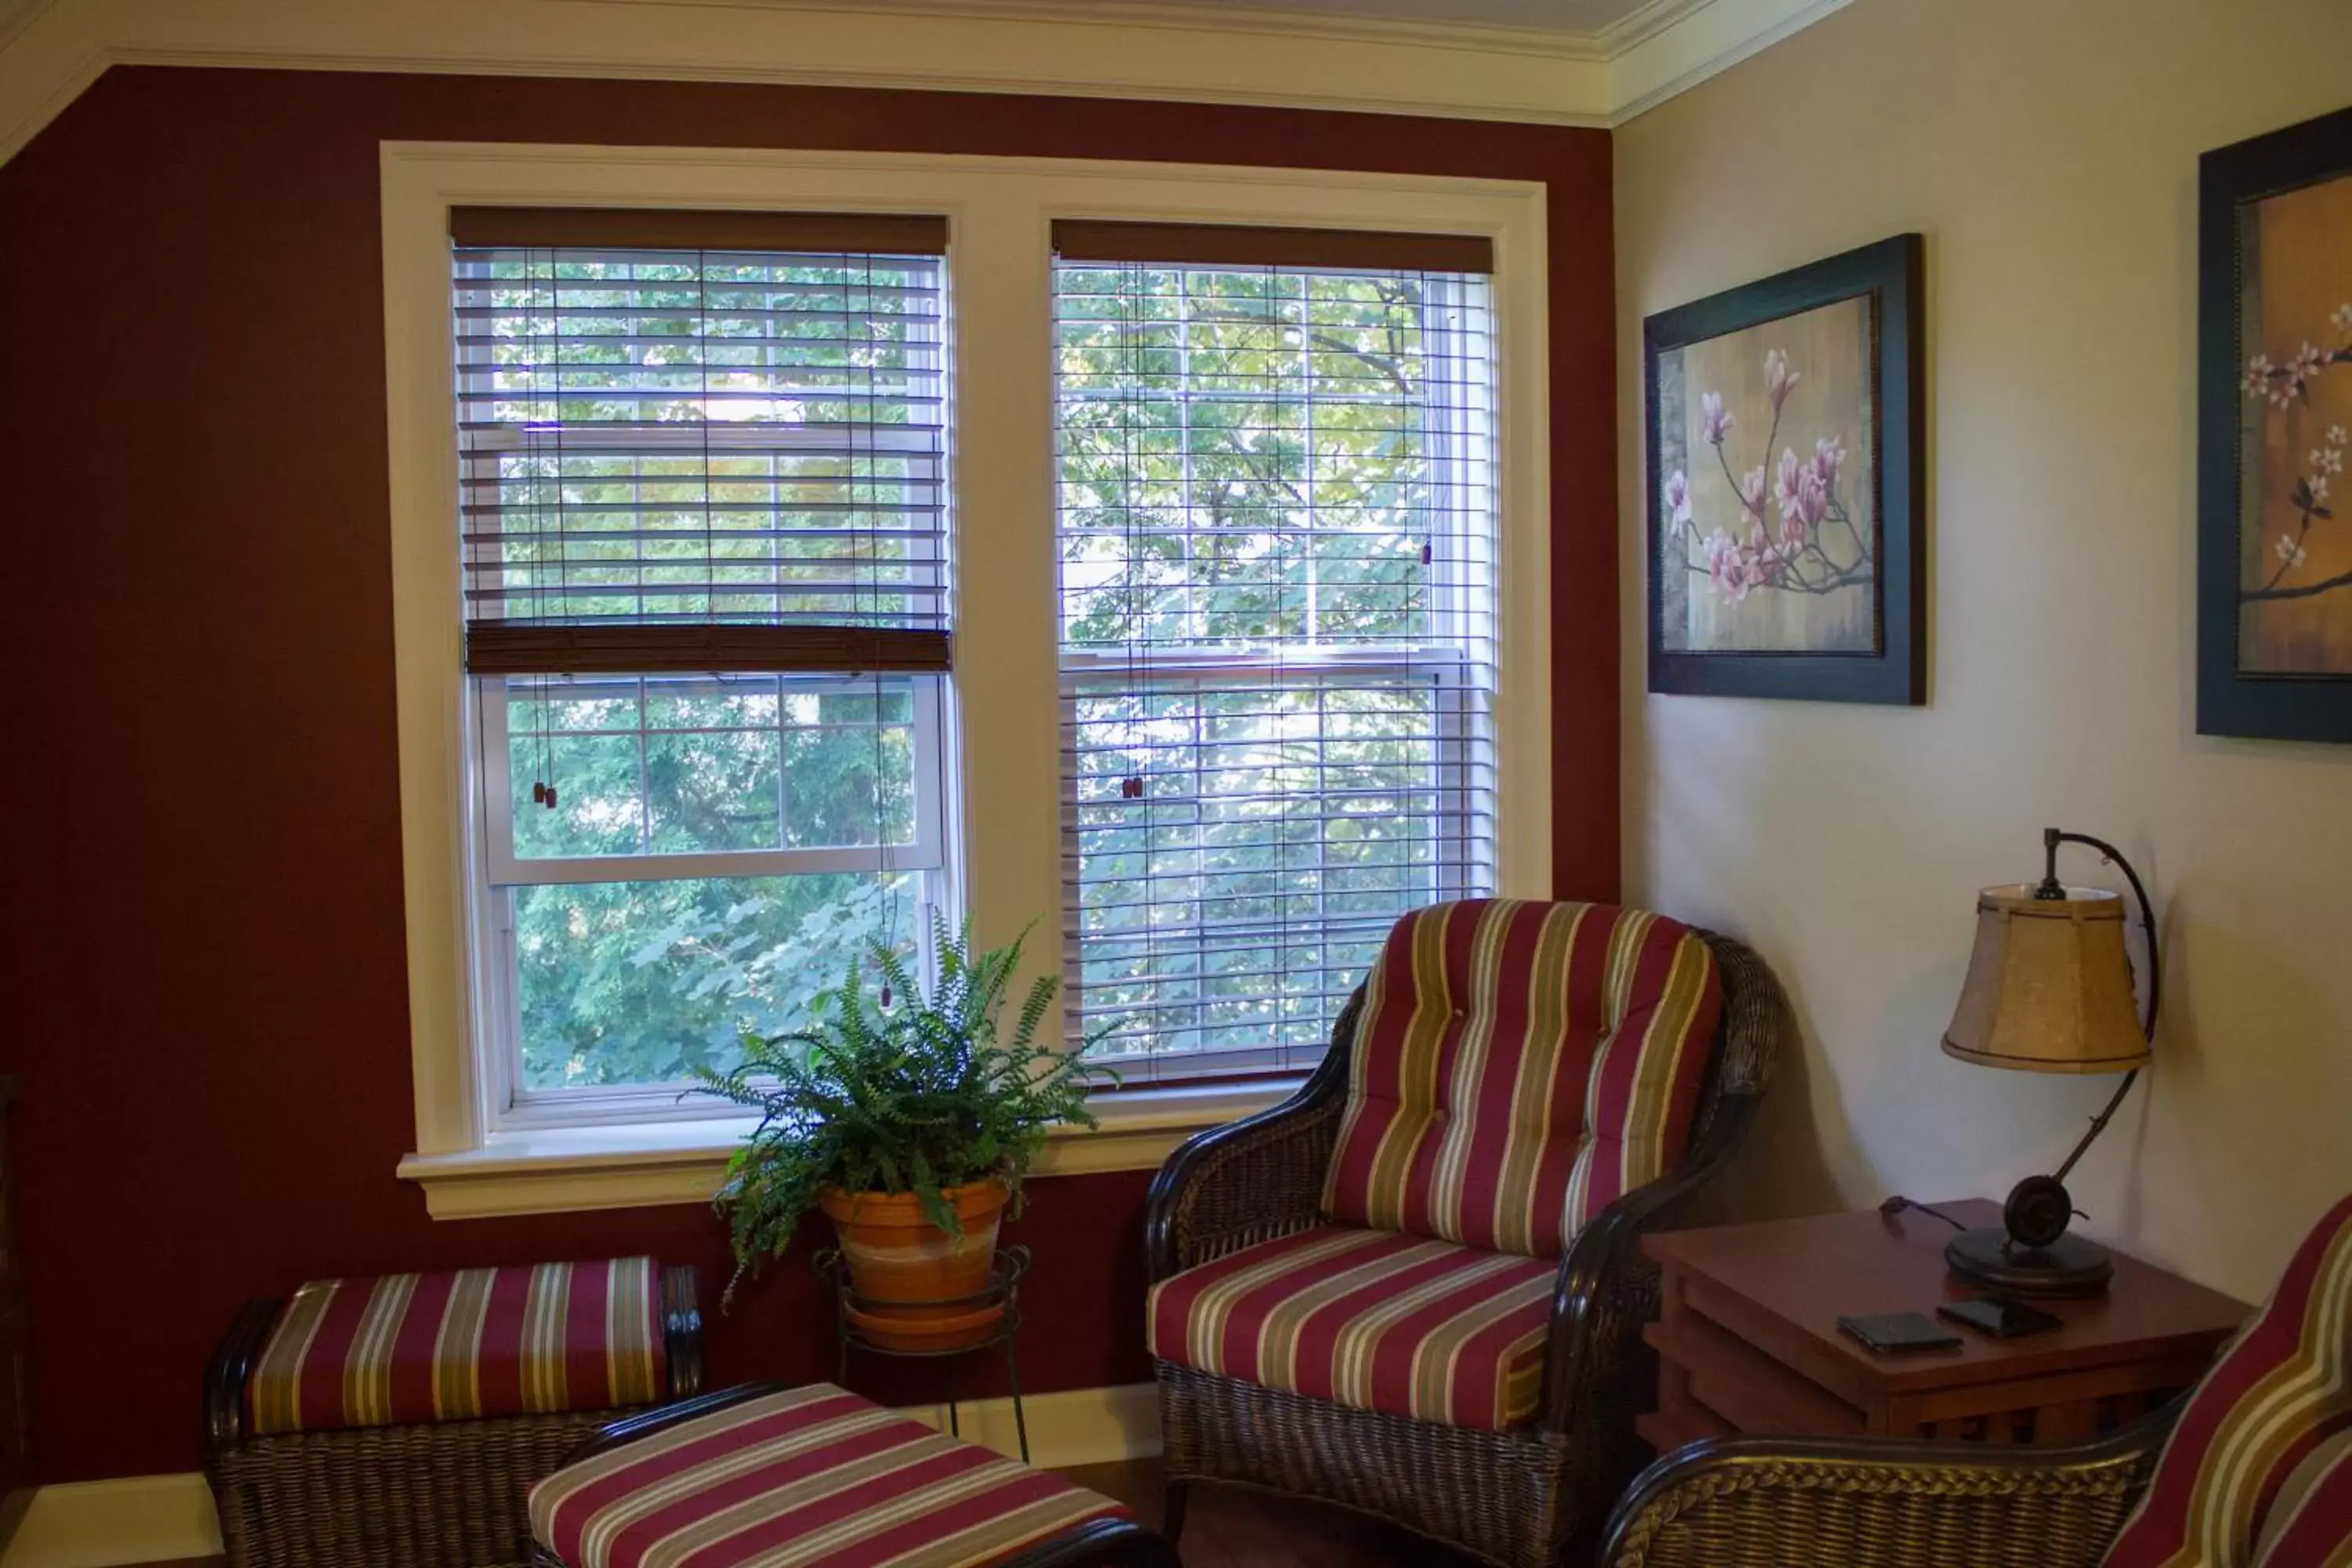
[{"x": 206, "y": 1000}]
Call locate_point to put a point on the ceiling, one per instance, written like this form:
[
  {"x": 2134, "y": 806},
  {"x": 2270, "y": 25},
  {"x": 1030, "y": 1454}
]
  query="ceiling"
[{"x": 1564, "y": 16}]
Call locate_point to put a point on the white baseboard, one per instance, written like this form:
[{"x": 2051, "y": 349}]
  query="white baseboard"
[
  {"x": 162, "y": 1519},
  {"x": 134, "y": 1519},
  {"x": 1077, "y": 1426}
]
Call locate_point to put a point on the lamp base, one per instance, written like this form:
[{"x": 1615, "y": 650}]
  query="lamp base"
[{"x": 2069, "y": 1265}]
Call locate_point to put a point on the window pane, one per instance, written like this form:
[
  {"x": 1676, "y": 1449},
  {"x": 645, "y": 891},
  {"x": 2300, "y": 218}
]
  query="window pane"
[
  {"x": 849, "y": 765},
  {"x": 1262, "y": 455},
  {"x": 653, "y": 440},
  {"x": 709, "y": 764},
  {"x": 1277, "y": 529},
  {"x": 638, "y": 982},
  {"x": 1283, "y": 825}
]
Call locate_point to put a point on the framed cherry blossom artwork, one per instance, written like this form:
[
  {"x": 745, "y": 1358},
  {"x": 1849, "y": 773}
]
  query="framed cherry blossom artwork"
[
  {"x": 2273, "y": 408},
  {"x": 1787, "y": 485}
]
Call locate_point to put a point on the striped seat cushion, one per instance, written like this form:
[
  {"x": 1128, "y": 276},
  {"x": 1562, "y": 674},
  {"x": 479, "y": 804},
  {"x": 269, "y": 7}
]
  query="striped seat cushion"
[
  {"x": 2279, "y": 1391},
  {"x": 1518, "y": 1068},
  {"x": 1380, "y": 1320},
  {"x": 451, "y": 1347},
  {"x": 804, "y": 1475}
]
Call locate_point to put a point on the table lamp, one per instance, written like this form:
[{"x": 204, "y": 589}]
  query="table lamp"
[{"x": 2049, "y": 989}]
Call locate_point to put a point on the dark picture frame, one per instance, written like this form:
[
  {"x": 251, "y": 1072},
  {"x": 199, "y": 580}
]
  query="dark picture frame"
[
  {"x": 1889, "y": 278},
  {"x": 2276, "y": 704}
]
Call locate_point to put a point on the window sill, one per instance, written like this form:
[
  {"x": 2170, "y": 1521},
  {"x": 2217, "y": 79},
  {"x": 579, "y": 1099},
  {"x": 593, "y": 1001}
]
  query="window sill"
[{"x": 564, "y": 1169}]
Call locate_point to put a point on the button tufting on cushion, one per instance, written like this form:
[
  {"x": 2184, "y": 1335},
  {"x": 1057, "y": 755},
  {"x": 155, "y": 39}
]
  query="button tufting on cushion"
[{"x": 1518, "y": 1068}]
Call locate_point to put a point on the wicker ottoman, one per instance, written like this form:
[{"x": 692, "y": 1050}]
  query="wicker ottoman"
[
  {"x": 764, "y": 1477},
  {"x": 399, "y": 1422}
]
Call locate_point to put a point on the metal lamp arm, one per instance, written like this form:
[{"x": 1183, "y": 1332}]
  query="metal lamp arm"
[{"x": 2051, "y": 887}]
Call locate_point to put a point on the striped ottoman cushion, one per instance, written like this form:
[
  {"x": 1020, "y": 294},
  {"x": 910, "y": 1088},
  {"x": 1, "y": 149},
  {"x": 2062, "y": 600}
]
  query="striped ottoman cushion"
[
  {"x": 807, "y": 1475},
  {"x": 1518, "y": 1068},
  {"x": 473, "y": 1343},
  {"x": 1369, "y": 1318},
  {"x": 2282, "y": 1389}
]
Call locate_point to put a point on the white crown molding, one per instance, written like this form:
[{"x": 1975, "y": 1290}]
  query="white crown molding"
[
  {"x": 1646, "y": 20},
  {"x": 1118, "y": 48},
  {"x": 1270, "y": 20},
  {"x": 1671, "y": 46}
]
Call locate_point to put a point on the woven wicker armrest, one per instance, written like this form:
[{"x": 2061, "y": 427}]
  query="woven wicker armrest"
[
  {"x": 1785, "y": 1502},
  {"x": 1598, "y": 1376},
  {"x": 1607, "y": 1289},
  {"x": 1252, "y": 1179},
  {"x": 224, "y": 1374}
]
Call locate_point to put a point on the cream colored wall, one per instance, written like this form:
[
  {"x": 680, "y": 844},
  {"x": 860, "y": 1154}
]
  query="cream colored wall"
[{"x": 2049, "y": 153}]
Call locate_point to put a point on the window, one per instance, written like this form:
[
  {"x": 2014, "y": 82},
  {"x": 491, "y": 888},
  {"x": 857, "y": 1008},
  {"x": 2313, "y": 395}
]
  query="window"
[
  {"x": 738, "y": 449},
  {"x": 701, "y": 503},
  {"x": 1277, "y": 529}
]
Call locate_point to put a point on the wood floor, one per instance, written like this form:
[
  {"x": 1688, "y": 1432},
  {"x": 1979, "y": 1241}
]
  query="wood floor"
[{"x": 1227, "y": 1527}]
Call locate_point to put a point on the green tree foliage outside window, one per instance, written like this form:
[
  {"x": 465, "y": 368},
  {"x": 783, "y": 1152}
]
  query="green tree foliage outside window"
[
  {"x": 592, "y": 357},
  {"x": 1276, "y": 526}
]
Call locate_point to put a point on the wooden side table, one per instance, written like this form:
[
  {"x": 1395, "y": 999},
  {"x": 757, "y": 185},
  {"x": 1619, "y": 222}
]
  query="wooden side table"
[{"x": 1748, "y": 1341}]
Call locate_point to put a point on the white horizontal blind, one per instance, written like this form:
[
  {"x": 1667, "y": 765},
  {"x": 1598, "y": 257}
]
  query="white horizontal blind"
[
  {"x": 682, "y": 438},
  {"x": 1277, "y": 532}
]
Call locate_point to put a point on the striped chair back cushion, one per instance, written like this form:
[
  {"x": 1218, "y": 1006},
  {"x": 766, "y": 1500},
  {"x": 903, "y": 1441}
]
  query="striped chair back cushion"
[
  {"x": 2279, "y": 1391},
  {"x": 2310, "y": 1525},
  {"x": 1519, "y": 1066},
  {"x": 451, "y": 1347}
]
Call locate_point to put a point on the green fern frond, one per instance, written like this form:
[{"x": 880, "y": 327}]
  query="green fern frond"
[{"x": 924, "y": 1096}]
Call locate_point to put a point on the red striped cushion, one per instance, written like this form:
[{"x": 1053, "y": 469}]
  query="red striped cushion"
[
  {"x": 1368, "y": 1318},
  {"x": 2281, "y": 1388},
  {"x": 2310, "y": 1526},
  {"x": 451, "y": 1347},
  {"x": 809, "y": 1474},
  {"x": 1518, "y": 1066}
]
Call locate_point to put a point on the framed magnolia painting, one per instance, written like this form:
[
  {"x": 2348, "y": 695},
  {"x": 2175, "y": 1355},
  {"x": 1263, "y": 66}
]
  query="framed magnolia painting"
[
  {"x": 2273, "y": 408},
  {"x": 1786, "y": 484}
]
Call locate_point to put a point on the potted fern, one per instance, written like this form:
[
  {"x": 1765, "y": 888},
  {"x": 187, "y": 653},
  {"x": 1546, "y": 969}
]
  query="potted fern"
[{"x": 910, "y": 1126}]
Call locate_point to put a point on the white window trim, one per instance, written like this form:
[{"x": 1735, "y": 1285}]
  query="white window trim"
[{"x": 1003, "y": 827}]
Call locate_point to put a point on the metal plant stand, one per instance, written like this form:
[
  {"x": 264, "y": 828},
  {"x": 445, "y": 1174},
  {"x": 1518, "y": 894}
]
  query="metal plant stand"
[{"x": 1005, "y": 1286}]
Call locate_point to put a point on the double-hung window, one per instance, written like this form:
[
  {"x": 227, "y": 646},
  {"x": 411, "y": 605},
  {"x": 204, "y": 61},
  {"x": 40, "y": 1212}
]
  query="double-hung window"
[
  {"x": 1277, "y": 532},
  {"x": 702, "y": 501},
  {"x": 704, "y": 462}
]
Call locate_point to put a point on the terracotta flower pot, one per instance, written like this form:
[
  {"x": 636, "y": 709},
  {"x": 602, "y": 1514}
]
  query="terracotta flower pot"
[{"x": 914, "y": 1281}]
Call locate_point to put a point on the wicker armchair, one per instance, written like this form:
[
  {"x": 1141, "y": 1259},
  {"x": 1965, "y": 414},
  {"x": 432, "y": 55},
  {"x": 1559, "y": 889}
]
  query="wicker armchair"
[
  {"x": 1785, "y": 1502},
  {"x": 2248, "y": 1466},
  {"x": 1511, "y": 1497}
]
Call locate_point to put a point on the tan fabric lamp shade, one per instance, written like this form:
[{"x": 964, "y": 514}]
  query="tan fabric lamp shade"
[{"x": 2049, "y": 987}]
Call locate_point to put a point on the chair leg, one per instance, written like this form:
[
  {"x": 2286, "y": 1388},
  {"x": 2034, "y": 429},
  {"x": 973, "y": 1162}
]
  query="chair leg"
[{"x": 1171, "y": 1511}]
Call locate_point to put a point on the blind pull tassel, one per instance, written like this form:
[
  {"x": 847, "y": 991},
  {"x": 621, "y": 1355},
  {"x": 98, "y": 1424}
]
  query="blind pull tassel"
[
  {"x": 538, "y": 792},
  {"x": 1131, "y": 787}
]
